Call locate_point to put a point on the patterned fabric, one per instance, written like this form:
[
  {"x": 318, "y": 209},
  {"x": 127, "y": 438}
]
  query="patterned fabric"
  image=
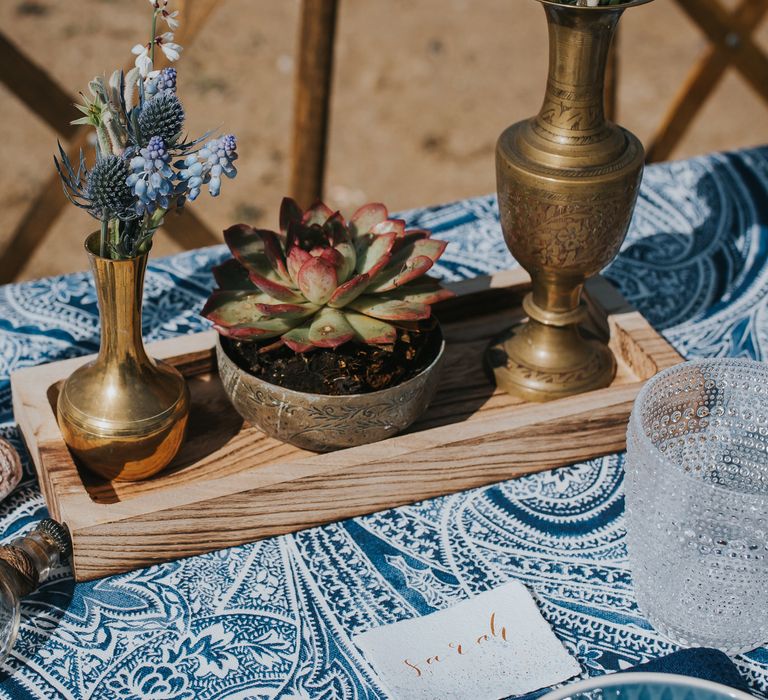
[{"x": 273, "y": 619}]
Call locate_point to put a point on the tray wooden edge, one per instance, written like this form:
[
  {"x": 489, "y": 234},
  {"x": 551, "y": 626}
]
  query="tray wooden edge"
[{"x": 256, "y": 504}]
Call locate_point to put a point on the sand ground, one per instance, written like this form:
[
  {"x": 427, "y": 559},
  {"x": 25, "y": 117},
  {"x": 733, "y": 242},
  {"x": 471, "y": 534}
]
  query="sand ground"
[{"x": 422, "y": 89}]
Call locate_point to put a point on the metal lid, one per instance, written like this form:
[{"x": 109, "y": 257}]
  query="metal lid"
[{"x": 58, "y": 534}]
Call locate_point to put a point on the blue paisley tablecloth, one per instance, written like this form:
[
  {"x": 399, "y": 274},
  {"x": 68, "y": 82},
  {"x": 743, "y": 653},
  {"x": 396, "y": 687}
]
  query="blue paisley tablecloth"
[{"x": 274, "y": 619}]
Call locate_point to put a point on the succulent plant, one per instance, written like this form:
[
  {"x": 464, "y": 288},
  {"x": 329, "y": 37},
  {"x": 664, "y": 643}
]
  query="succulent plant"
[{"x": 323, "y": 281}]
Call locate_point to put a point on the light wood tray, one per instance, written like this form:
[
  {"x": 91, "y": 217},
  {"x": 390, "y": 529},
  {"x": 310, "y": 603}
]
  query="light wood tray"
[{"x": 231, "y": 484}]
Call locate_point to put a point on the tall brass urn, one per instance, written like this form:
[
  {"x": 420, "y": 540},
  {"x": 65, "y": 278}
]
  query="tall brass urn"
[
  {"x": 567, "y": 182},
  {"x": 124, "y": 414}
]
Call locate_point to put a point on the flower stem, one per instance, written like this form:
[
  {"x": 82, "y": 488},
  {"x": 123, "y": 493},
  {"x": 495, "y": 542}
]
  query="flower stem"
[
  {"x": 103, "y": 239},
  {"x": 115, "y": 237},
  {"x": 152, "y": 38}
]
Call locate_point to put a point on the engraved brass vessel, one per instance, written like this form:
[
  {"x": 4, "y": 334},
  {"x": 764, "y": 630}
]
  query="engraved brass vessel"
[
  {"x": 124, "y": 414},
  {"x": 320, "y": 422},
  {"x": 567, "y": 183}
]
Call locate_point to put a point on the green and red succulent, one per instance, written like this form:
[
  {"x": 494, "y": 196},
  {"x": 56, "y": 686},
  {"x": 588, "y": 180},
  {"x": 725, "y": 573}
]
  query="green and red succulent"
[{"x": 323, "y": 281}]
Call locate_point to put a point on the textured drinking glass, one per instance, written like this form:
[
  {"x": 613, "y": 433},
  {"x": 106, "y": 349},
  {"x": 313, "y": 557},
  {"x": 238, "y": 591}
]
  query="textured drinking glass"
[{"x": 697, "y": 503}]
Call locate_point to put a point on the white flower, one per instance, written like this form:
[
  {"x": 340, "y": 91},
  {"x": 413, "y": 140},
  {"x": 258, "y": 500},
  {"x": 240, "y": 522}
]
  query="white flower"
[
  {"x": 143, "y": 61},
  {"x": 171, "y": 50},
  {"x": 170, "y": 18}
]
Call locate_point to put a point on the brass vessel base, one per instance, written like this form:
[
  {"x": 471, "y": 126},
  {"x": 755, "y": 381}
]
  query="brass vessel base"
[
  {"x": 539, "y": 362},
  {"x": 124, "y": 422}
]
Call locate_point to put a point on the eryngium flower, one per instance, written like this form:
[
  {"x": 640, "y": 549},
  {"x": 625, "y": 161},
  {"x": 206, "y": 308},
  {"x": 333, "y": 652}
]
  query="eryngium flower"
[
  {"x": 108, "y": 190},
  {"x": 162, "y": 116},
  {"x": 151, "y": 177}
]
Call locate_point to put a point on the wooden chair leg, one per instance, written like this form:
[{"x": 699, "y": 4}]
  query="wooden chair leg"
[
  {"x": 698, "y": 87},
  {"x": 732, "y": 38},
  {"x": 312, "y": 97}
]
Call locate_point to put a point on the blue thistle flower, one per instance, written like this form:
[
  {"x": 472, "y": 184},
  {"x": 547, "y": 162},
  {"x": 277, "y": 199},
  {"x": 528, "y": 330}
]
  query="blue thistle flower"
[
  {"x": 162, "y": 116},
  {"x": 107, "y": 189},
  {"x": 151, "y": 178},
  {"x": 213, "y": 160}
]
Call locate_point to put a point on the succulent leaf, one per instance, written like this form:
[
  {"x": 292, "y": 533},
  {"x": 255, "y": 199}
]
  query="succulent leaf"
[
  {"x": 296, "y": 258},
  {"x": 348, "y": 263},
  {"x": 290, "y": 211},
  {"x": 366, "y": 217},
  {"x": 412, "y": 247},
  {"x": 408, "y": 263},
  {"x": 317, "y": 280},
  {"x": 288, "y": 311},
  {"x": 297, "y": 339},
  {"x": 275, "y": 289},
  {"x": 231, "y": 275},
  {"x": 336, "y": 230},
  {"x": 397, "y": 226},
  {"x": 237, "y": 314},
  {"x": 371, "y": 331},
  {"x": 349, "y": 291},
  {"x": 390, "y": 309},
  {"x": 411, "y": 270},
  {"x": 330, "y": 255},
  {"x": 248, "y": 248},
  {"x": 274, "y": 254},
  {"x": 373, "y": 252},
  {"x": 330, "y": 329},
  {"x": 317, "y": 214},
  {"x": 426, "y": 291}
]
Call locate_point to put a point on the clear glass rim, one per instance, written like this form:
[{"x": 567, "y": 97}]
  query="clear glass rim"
[
  {"x": 636, "y": 423},
  {"x": 622, "y": 679}
]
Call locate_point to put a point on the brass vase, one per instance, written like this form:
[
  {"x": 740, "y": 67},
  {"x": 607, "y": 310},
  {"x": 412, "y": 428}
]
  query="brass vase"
[
  {"x": 567, "y": 183},
  {"x": 123, "y": 415}
]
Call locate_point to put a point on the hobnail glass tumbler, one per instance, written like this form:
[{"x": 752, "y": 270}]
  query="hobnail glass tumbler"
[{"x": 697, "y": 503}]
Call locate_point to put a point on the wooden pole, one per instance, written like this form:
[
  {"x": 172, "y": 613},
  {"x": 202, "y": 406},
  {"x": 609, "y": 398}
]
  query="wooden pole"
[{"x": 312, "y": 97}]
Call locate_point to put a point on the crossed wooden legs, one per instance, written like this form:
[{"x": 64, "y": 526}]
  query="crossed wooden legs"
[{"x": 730, "y": 35}]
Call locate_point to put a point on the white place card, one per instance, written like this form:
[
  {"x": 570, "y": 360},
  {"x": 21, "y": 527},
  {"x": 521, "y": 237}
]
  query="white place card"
[{"x": 488, "y": 647}]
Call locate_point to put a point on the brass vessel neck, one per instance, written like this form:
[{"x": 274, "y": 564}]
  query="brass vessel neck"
[
  {"x": 119, "y": 290},
  {"x": 572, "y": 117}
]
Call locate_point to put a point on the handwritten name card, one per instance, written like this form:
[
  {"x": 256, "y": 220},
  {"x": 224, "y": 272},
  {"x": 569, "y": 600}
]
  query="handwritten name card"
[{"x": 488, "y": 647}]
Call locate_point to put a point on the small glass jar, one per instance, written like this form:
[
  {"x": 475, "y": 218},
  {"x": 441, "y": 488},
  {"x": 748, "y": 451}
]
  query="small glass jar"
[{"x": 25, "y": 563}]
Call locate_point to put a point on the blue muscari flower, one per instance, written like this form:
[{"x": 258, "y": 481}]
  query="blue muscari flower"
[
  {"x": 207, "y": 166},
  {"x": 164, "y": 81},
  {"x": 151, "y": 177}
]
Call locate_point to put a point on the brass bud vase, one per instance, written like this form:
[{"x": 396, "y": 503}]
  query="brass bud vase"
[
  {"x": 567, "y": 182},
  {"x": 123, "y": 415}
]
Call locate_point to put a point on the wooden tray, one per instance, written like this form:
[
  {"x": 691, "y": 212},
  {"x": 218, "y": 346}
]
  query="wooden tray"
[{"x": 231, "y": 484}]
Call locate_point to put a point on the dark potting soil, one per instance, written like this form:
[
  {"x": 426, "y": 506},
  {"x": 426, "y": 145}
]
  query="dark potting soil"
[{"x": 349, "y": 369}]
